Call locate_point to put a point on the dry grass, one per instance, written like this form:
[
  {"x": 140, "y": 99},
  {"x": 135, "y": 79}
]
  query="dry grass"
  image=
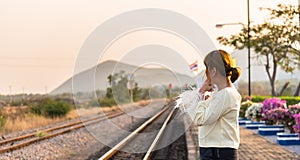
[
  {"x": 28, "y": 122},
  {"x": 20, "y": 118}
]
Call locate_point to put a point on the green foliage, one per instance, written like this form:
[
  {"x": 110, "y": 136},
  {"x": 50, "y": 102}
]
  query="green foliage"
[
  {"x": 290, "y": 100},
  {"x": 118, "y": 92},
  {"x": 50, "y": 108},
  {"x": 18, "y": 103},
  {"x": 273, "y": 41},
  {"x": 118, "y": 88},
  {"x": 41, "y": 134},
  {"x": 107, "y": 102},
  {"x": 259, "y": 98},
  {"x": 144, "y": 94},
  {"x": 136, "y": 92},
  {"x": 109, "y": 93}
]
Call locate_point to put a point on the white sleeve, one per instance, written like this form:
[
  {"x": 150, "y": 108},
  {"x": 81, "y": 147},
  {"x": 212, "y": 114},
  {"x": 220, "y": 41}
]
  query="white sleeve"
[
  {"x": 197, "y": 112},
  {"x": 208, "y": 112}
]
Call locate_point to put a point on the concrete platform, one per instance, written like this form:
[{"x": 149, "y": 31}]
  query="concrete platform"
[{"x": 252, "y": 147}]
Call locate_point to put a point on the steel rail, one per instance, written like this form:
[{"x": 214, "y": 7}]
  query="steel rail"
[
  {"x": 49, "y": 130},
  {"x": 158, "y": 136},
  {"x": 70, "y": 128},
  {"x": 126, "y": 140}
]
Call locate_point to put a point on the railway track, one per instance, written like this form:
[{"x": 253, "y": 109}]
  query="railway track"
[
  {"x": 158, "y": 123},
  {"x": 25, "y": 140}
]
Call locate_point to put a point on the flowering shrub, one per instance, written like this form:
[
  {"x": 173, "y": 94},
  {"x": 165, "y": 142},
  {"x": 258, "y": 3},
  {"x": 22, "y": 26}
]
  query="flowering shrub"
[
  {"x": 290, "y": 123},
  {"x": 278, "y": 115},
  {"x": 294, "y": 109},
  {"x": 283, "y": 116},
  {"x": 272, "y": 103},
  {"x": 244, "y": 106},
  {"x": 297, "y": 125},
  {"x": 254, "y": 112},
  {"x": 269, "y": 104}
]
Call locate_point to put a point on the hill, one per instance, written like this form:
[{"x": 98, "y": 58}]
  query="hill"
[{"x": 96, "y": 78}]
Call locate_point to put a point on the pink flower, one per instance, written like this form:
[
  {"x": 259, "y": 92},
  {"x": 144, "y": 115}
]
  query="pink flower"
[{"x": 296, "y": 127}]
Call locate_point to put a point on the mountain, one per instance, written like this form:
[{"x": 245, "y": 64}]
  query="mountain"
[{"x": 96, "y": 78}]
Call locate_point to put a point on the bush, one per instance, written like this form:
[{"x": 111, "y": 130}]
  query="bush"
[
  {"x": 50, "y": 108},
  {"x": 291, "y": 121},
  {"x": 259, "y": 98},
  {"x": 254, "y": 112},
  {"x": 244, "y": 106},
  {"x": 107, "y": 102},
  {"x": 296, "y": 127},
  {"x": 270, "y": 108},
  {"x": 144, "y": 95},
  {"x": 290, "y": 100},
  {"x": 278, "y": 115}
]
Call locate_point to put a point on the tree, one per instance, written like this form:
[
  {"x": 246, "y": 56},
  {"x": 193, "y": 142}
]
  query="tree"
[
  {"x": 136, "y": 92},
  {"x": 275, "y": 41},
  {"x": 117, "y": 92},
  {"x": 119, "y": 88}
]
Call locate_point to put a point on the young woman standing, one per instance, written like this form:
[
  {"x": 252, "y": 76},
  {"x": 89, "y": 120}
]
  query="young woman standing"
[{"x": 217, "y": 116}]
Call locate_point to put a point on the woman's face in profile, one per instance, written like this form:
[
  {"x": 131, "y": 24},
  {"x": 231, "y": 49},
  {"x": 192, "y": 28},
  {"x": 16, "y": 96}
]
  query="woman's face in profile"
[{"x": 207, "y": 73}]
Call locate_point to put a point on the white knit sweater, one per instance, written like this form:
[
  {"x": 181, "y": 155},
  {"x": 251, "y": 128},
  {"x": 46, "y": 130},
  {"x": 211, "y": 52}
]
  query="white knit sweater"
[{"x": 217, "y": 118}]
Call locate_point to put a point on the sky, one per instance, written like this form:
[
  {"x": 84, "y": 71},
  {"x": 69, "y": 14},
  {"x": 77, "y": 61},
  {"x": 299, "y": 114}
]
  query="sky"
[{"x": 40, "y": 39}]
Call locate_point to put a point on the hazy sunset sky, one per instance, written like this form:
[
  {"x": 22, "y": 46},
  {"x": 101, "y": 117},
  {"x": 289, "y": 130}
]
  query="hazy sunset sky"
[{"x": 40, "y": 39}]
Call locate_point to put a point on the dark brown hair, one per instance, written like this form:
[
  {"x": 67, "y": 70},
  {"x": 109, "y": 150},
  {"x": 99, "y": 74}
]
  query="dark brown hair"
[{"x": 223, "y": 63}]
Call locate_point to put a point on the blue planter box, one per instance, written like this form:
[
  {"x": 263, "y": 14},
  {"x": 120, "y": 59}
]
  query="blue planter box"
[
  {"x": 288, "y": 139},
  {"x": 254, "y": 125},
  {"x": 270, "y": 130},
  {"x": 242, "y": 121}
]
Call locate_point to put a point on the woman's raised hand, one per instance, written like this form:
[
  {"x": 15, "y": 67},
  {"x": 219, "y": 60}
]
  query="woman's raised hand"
[{"x": 206, "y": 86}]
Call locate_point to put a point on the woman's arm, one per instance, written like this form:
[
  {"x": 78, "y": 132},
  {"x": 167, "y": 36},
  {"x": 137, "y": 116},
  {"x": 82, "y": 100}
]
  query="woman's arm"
[{"x": 209, "y": 111}]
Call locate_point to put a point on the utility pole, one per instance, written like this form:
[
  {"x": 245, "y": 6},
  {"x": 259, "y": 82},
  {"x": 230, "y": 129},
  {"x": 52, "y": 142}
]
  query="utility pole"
[
  {"x": 248, "y": 45},
  {"x": 248, "y": 42}
]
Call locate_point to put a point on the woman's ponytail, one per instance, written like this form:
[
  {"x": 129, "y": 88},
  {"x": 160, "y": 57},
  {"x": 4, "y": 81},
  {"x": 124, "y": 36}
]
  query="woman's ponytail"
[
  {"x": 223, "y": 62},
  {"x": 235, "y": 74}
]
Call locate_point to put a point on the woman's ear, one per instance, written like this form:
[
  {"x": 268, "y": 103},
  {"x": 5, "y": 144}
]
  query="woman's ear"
[{"x": 213, "y": 72}]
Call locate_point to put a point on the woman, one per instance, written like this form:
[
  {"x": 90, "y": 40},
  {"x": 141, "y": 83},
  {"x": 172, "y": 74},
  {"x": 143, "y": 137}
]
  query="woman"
[{"x": 217, "y": 116}]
